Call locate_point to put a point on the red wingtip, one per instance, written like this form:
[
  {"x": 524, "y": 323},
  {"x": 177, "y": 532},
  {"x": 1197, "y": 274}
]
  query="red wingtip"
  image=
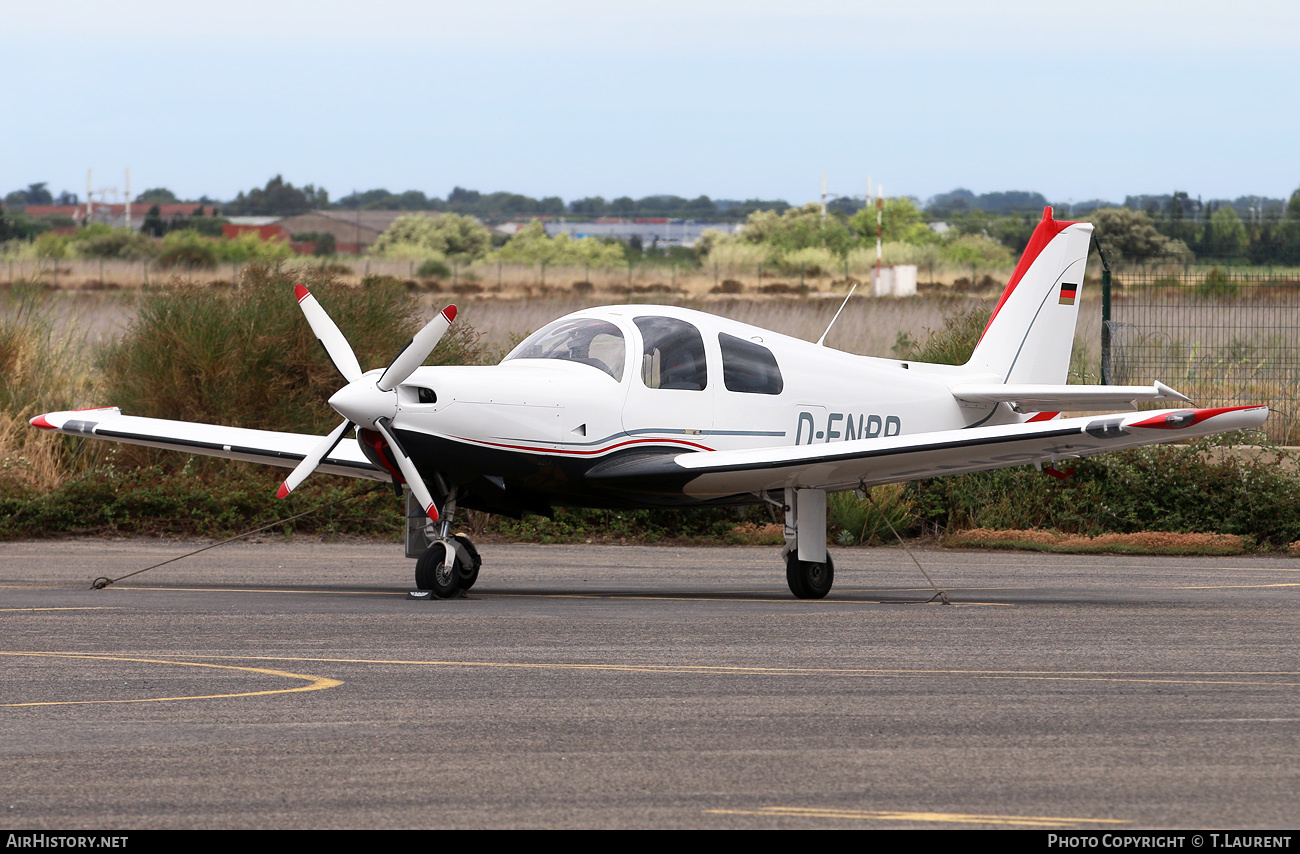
[
  {"x": 300, "y": 292},
  {"x": 1176, "y": 419},
  {"x": 40, "y": 421},
  {"x": 450, "y": 313},
  {"x": 283, "y": 490}
]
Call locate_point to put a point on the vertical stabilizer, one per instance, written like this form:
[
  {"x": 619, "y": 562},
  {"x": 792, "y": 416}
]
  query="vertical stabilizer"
[{"x": 1029, "y": 336}]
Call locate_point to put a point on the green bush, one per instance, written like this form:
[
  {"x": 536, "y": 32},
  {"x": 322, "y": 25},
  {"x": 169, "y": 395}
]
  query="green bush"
[
  {"x": 186, "y": 248},
  {"x": 98, "y": 240},
  {"x": 1216, "y": 283},
  {"x": 951, "y": 345},
  {"x": 248, "y": 358},
  {"x": 1197, "y": 488},
  {"x": 852, "y": 521},
  {"x": 432, "y": 268}
]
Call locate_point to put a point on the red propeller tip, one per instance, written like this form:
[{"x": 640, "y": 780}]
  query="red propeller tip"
[
  {"x": 283, "y": 490},
  {"x": 432, "y": 512},
  {"x": 450, "y": 313},
  {"x": 300, "y": 292}
]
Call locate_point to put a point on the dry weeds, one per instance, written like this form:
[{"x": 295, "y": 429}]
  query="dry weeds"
[{"x": 1147, "y": 542}]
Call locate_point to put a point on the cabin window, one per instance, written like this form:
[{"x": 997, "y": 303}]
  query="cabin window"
[
  {"x": 673, "y": 357},
  {"x": 748, "y": 367},
  {"x": 597, "y": 343}
]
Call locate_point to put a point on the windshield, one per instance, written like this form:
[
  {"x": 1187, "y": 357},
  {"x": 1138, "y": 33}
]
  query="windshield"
[{"x": 597, "y": 343}]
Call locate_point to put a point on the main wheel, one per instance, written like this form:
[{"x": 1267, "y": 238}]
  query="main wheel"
[
  {"x": 468, "y": 573},
  {"x": 809, "y": 580},
  {"x": 433, "y": 572}
]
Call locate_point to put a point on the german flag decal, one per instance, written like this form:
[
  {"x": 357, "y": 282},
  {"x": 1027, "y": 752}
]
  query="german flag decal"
[{"x": 1068, "y": 293}]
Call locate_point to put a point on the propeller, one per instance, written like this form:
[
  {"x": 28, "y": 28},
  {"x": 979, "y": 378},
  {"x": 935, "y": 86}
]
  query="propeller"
[{"x": 366, "y": 402}]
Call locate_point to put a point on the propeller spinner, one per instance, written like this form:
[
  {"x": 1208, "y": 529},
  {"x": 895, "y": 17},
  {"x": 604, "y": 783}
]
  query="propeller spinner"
[{"x": 365, "y": 401}]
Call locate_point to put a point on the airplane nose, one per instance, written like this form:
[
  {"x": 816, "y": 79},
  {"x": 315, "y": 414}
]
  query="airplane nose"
[{"x": 363, "y": 403}]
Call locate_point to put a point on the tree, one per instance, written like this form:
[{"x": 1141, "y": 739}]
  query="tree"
[
  {"x": 797, "y": 228},
  {"x": 901, "y": 221},
  {"x": 1133, "y": 235},
  {"x": 592, "y": 206},
  {"x": 457, "y": 238},
  {"x": 153, "y": 223},
  {"x": 157, "y": 196},
  {"x": 279, "y": 198},
  {"x": 35, "y": 194},
  {"x": 1225, "y": 234}
]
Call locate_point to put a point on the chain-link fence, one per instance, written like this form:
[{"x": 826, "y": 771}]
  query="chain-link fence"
[{"x": 1222, "y": 338}]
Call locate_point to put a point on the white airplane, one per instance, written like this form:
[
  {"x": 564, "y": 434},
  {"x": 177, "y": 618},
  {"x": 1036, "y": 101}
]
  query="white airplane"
[{"x": 640, "y": 406}]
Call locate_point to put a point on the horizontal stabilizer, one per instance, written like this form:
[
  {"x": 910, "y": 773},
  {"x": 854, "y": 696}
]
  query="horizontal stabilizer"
[{"x": 1064, "y": 398}]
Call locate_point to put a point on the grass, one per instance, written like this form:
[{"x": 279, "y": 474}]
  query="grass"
[{"x": 44, "y": 366}]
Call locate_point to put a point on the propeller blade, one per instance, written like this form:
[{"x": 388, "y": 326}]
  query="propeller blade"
[
  {"x": 312, "y": 460},
  {"x": 417, "y": 350},
  {"x": 336, "y": 346},
  {"x": 408, "y": 469}
]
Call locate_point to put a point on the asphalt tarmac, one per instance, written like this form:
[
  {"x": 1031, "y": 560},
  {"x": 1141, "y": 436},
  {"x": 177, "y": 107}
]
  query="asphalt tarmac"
[{"x": 293, "y": 685}]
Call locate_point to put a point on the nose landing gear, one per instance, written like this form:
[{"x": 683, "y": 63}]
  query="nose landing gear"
[{"x": 445, "y": 564}]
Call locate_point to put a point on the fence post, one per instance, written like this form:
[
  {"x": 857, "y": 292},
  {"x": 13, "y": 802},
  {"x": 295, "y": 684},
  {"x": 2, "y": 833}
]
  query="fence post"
[{"x": 1106, "y": 378}]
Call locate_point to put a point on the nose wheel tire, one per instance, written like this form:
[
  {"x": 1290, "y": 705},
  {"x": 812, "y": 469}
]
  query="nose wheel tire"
[
  {"x": 433, "y": 572},
  {"x": 809, "y": 580}
]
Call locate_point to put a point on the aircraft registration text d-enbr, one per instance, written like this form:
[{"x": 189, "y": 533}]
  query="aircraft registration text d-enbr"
[{"x": 654, "y": 406}]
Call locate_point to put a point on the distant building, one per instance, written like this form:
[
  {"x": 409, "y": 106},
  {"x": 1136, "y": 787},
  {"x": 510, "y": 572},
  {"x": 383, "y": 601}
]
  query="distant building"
[
  {"x": 652, "y": 232},
  {"x": 354, "y": 231}
]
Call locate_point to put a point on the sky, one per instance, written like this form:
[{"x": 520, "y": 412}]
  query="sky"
[{"x": 729, "y": 99}]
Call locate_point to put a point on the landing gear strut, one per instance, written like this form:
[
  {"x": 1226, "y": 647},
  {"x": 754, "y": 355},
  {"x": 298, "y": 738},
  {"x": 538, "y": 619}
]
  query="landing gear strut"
[
  {"x": 444, "y": 563},
  {"x": 809, "y": 570}
]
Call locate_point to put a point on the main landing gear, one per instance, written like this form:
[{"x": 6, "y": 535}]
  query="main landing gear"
[
  {"x": 809, "y": 570},
  {"x": 445, "y": 564}
]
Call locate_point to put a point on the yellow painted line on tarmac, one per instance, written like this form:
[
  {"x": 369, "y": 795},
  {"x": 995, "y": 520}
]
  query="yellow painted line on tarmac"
[
  {"x": 314, "y": 683},
  {"x": 1162, "y": 677},
  {"x": 1220, "y": 586},
  {"x": 920, "y": 816}
]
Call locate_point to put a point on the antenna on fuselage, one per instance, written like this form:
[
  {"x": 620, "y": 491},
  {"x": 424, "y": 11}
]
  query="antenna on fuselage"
[{"x": 837, "y": 315}]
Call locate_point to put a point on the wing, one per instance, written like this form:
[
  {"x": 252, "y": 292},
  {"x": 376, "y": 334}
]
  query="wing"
[
  {"x": 866, "y": 462},
  {"x": 1064, "y": 398},
  {"x": 232, "y": 443}
]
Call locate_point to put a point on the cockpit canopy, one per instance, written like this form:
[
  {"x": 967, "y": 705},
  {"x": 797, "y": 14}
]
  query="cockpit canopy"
[{"x": 597, "y": 343}]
